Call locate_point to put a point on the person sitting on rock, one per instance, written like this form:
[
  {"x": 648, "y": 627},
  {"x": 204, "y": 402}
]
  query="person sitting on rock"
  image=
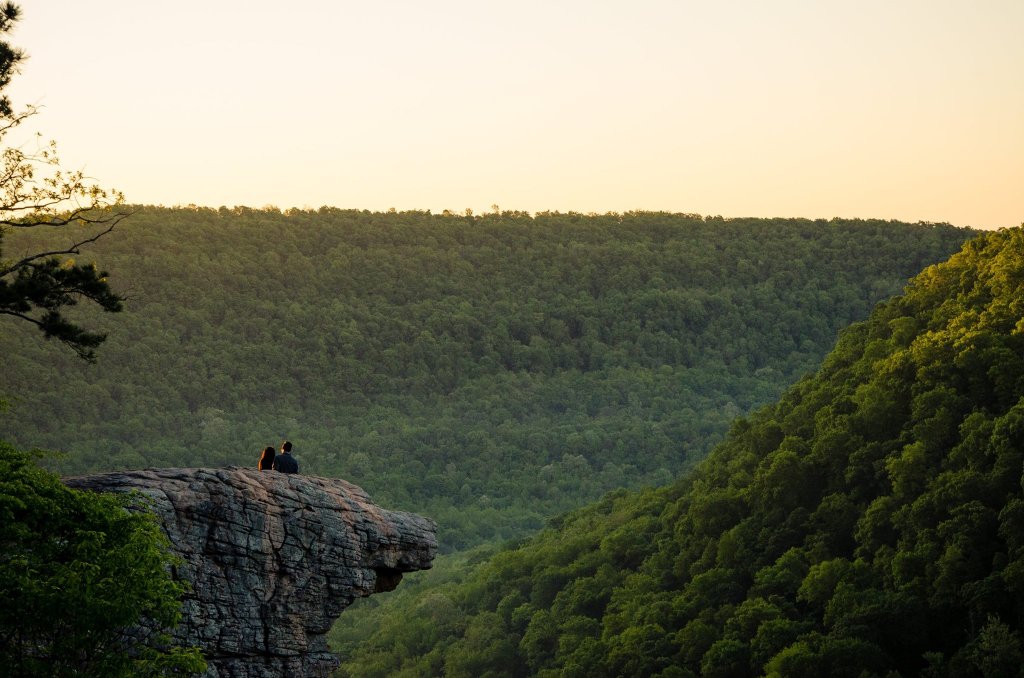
[
  {"x": 285, "y": 462},
  {"x": 266, "y": 459}
]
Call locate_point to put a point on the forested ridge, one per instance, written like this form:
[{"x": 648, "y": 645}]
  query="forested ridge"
[
  {"x": 870, "y": 523},
  {"x": 489, "y": 371}
]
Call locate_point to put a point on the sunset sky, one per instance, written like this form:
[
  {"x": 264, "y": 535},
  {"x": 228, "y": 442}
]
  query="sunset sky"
[{"x": 901, "y": 109}]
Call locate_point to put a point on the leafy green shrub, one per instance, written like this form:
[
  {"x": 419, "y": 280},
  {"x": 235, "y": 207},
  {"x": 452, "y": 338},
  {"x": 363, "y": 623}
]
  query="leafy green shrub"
[{"x": 85, "y": 583}]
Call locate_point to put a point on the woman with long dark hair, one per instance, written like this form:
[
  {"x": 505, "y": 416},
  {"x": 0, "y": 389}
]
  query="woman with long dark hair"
[{"x": 267, "y": 459}]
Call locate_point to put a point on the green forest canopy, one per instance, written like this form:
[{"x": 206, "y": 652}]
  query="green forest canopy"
[
  {"x": 487, "y": 371},
  {"x": 869, "y": 523}
]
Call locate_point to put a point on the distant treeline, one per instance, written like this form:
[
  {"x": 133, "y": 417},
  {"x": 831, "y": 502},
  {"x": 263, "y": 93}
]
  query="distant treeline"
[
  {"x": 870, "y": 523},
  {"x": 489, "y": 371}
]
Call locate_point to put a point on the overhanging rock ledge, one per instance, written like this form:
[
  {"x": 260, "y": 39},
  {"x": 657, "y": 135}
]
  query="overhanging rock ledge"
[{"x": 273, "y": 559}]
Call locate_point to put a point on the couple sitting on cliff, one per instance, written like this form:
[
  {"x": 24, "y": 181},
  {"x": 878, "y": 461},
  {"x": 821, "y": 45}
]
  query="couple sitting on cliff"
[{"x": 284, "y": 462}]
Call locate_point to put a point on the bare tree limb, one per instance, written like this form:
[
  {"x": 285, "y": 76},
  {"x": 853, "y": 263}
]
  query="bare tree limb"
[{"x": 70, "y": 249}]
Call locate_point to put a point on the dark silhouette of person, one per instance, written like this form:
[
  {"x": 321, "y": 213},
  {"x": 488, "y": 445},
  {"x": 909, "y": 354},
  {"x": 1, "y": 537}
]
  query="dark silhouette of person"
[
  {"x": 285, "y": 462},
  {"x": 266, "y": 459}
]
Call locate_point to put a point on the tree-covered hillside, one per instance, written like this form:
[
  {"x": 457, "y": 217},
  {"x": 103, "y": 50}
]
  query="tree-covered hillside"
[
  {"x": 488, "y": 371},
  {"x": 871, "y": 523}
]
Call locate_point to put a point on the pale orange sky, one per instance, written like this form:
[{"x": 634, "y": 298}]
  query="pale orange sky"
[{"x": 910, "y": 110}]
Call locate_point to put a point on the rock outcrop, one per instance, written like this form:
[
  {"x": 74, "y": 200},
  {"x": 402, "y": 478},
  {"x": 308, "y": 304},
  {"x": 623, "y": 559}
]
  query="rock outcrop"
[{"x": 273, "y": 559}]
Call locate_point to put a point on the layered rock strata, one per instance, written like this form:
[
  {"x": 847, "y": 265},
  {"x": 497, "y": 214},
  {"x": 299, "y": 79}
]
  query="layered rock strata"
[{"x": 272, "y": 559}]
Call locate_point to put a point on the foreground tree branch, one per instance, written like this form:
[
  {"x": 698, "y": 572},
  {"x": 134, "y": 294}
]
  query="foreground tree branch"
[{"x": 35, "y": 192}]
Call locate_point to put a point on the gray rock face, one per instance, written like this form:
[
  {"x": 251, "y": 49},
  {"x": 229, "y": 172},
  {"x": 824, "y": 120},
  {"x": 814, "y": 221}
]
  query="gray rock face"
[{"x": 273, "y": 559}]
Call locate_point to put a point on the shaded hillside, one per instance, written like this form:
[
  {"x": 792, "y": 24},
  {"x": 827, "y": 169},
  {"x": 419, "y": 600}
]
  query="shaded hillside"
[
  {"x": 870, "y": 522},
  {"x": 486, "y": 371}
]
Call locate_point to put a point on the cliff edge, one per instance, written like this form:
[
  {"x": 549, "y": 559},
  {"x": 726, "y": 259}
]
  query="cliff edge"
[{"x": 273, "y": 559}]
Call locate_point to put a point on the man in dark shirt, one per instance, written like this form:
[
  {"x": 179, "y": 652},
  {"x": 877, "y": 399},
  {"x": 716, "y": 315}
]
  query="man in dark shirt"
[{"x": 285, "y": 462}]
